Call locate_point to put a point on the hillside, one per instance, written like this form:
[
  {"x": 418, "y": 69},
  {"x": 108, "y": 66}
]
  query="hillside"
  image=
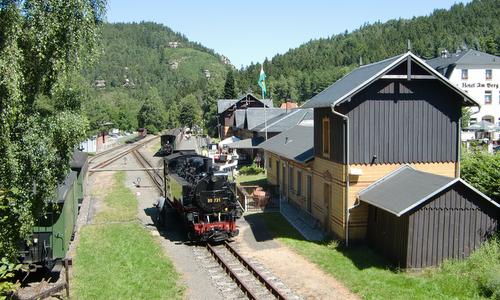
[
  {"x": 303, "y": 72},
  {"x": 147, "y": 62}
]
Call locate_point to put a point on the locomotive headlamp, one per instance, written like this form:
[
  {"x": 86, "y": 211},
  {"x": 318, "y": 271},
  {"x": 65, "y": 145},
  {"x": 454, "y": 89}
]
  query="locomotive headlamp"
[{"x": 35, "y": 240}]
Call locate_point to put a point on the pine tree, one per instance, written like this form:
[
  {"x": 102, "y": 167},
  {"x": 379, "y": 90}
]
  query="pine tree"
[{"x": 229, "y": 92}]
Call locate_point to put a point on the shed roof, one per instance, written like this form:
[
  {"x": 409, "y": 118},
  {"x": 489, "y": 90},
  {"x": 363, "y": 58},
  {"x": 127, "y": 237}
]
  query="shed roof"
[
  {"x": 296, "y": 143},
  {"x": 257, "y": 115},
  {"x": 251, "y": 143},
  {"x": 286, "y": 121},
  {"x": 363, "y": 76},
  {"x": 406, "y": 188}
]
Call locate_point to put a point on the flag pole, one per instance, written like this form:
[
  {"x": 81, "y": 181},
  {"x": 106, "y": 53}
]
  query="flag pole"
[{"x": 265, "y": 113}]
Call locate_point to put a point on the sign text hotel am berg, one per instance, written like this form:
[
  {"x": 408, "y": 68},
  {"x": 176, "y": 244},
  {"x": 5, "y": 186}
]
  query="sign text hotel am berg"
[{"x": 488, "y": 85}]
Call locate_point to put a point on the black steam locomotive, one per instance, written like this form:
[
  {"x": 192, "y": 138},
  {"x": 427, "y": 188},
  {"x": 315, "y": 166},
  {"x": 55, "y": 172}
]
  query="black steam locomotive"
[{"x": 206, "y": 200}]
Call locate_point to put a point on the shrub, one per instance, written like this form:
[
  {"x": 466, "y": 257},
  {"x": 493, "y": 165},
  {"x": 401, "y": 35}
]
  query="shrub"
[
  {"x": 482, "y": 170},
  {"x": 251, "y": 170},
  {"x": 6, "y": 273}
]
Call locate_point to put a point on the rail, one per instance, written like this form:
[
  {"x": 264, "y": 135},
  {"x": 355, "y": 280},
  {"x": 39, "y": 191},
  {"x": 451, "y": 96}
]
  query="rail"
[
  {"x": 247, "y": 290},
  {"x": 149, "y": 169}
]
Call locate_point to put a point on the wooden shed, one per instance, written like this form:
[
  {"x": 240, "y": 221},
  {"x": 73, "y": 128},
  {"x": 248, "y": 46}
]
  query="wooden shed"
[{"x": 418, "y": 219}]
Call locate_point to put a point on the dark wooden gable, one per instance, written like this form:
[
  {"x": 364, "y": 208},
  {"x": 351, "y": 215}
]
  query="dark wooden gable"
[
  {"x": 396, "y": 120},
  {"x": 450, "y": 225}
]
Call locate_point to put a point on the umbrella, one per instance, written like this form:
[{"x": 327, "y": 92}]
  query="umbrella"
[{"x": 483, "y": 126}]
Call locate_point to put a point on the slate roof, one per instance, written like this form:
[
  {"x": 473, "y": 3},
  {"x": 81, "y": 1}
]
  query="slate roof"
[
  {"x": 224, "y": 104},
  {"x": 247, "y": 143},
  {"x": 363, "y": 76},
  {"x": 296, "y": 143},
  {"x": 256, "y": 115},
  {"x": 286, "y": 121},
  {"x": 63, "y": 188},
  {"x": 445, "y": 65},
  {"x": 406, "y": 188}
]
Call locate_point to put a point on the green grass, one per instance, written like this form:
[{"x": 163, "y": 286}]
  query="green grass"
[
  {"x": 371, "y": 277},
  {"x": 258, "y": 179},
  {"x": 122, "y": 260},
  {"x": 119, "y": 205}
]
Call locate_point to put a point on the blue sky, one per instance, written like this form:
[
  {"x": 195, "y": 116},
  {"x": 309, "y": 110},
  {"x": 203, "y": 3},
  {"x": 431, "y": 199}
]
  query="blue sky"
[{"x": 250, "y": 31}]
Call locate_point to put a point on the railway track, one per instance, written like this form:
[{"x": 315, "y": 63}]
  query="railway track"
[
  {"x": 155, "y": 176},
  {"x": 247, "y": 280},
  {"x": 115, "y": 157}
]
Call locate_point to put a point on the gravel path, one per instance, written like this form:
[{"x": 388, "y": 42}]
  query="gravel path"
[{"x": 194, "y": 276}]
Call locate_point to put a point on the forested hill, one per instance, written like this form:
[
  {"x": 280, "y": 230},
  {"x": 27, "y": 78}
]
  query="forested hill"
[
  {"x": 302, "y": 72},
  {"x": 148, "y": 63}
]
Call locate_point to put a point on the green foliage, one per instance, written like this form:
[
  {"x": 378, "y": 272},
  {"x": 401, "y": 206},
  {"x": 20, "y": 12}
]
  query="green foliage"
[
  {"x": 140, "y": 53},
  {"x": 190, "y": 111},
  {"x": 304, "y": 71},
  {"x": 152, "y": 115},
  {"x": 6, "y": 274},
  {"x": 253, "y": 169},
  {"x": 42, "y": 47},
  {"x": 482, "y": 170},
  {"x": 229, "y": 92},
  {"x": 466, "y": 113}
]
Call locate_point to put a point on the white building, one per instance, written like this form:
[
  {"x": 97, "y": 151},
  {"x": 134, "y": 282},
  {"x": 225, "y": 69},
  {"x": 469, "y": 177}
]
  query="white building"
[{"x": 478, "y": 74}]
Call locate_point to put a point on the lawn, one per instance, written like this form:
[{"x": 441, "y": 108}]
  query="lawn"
[
  {"x": 258, "y": 179},
  {"x": 119, "y": 205},
  {"x": 122, "y": 260},
  {"x": 371, "y": 277}
]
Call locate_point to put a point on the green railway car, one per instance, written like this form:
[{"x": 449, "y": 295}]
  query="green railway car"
[{"x": 54, "y": 230}]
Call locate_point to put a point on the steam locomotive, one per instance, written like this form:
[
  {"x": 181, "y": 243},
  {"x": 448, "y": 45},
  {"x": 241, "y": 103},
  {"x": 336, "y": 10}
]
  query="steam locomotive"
[{"x": 205, "y": 200}]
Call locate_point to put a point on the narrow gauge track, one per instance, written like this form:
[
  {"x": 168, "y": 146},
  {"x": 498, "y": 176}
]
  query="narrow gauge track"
[
  {"x": 155, "y": 176},
  {"x": 251, "y": 282},
  {"x": 119, "y": 155}
]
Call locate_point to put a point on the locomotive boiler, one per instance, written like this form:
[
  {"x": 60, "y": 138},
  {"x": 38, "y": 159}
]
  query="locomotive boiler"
[{"x": 205, "y": 199}]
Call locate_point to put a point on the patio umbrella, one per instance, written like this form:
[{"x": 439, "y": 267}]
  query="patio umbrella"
[{"x": 483, "y": 126}]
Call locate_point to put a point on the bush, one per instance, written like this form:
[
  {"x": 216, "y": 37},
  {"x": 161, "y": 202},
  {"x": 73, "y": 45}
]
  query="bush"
[
  {"x": 251, "y": 170},
  {"x": 482, "y": 170},
  {"x": 6, "y": 274}
]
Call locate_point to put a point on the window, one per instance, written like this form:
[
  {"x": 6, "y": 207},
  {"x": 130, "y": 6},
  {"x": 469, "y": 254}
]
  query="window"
[
  {"x": 487, "y": 97},
  {"x": 465, "y": 74},
  {"x": 299, "y": 183},
  {"x": 488, "y": 74},
  {"x": 326, "y": 137},
  {"x": 270, "y": 163},
  {"x": 290, "y": 178}
]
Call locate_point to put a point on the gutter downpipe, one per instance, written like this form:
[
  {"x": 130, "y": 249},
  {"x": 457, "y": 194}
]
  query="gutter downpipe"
[{"x": 346, "y": 197}]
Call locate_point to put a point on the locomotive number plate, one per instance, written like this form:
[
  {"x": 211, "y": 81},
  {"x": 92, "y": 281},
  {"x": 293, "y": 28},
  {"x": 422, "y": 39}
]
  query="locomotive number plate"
[{"x": 214, "y": 200}]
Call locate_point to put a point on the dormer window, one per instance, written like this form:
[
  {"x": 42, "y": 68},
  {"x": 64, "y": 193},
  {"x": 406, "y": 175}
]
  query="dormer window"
[{"x": 465, "y": 74}]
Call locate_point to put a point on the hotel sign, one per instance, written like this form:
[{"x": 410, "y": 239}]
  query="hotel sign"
[{"x": 488, "y": 85}]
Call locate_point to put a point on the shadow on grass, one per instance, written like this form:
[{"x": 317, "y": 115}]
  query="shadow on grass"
[{"x": 361, "y": 256}]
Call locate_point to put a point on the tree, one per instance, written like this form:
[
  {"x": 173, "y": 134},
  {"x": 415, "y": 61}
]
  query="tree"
[
  {"x": 229, "y": 91},
  {"x": 42, "y": 45},
  {"x": 190, "y": 112},
  {"x": 152, "y": 115}
]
